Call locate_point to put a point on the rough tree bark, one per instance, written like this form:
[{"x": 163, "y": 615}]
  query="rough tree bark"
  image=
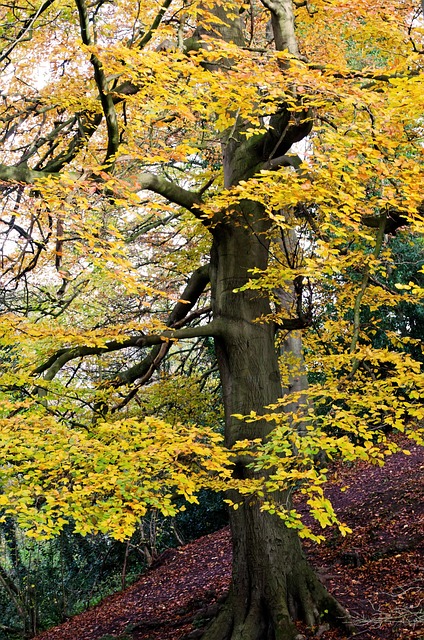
[{"x": 272, "y": 583}]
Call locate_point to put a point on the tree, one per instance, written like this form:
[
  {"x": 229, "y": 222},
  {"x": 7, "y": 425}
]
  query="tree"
[
  {"x": 406, "y": 318},
  {"x": 147, "y": 138}
]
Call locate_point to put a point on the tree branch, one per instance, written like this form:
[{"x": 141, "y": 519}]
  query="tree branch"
[
  {"x": 195, "y": 287},
  {"x": 143, "y": 370},
  {"x": 26, "y": 28},
  {"x": 148, "y": 35},
  {"x": 106, "y": 98},
  {"x": 149, "y": 181},
  {"x": 87, "y": 126},
  {"x": 289, "y": 160},
  {"x": 282, "y": 20},
  {"x": 172, "y": 192},
  {"x": 62, "y": 357},
  {"x": 350, "y": 74},
  {"x": 284, "y": 130},
  {"x": 166, "y": 339},
  {"x": 20, "y": 173}
]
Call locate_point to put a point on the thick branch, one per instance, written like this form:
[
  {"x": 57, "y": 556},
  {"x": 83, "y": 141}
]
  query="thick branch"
[
  {"x": 21, "y": 173},
  {"x": 376, "y": 75},
  {"x": 393, "y": 220},
  {"x": 106, "y": 98},
  {"x": 87, "y": 126},
  {"x": 266, "y": 151},
  {"x": 285, "y": 129},
  {"x": 195, "y": 287},
  {"x": 87, "y": 123},
  {"x": 148, "y": 35},
  {"x": 289, "y": 160},
  {"x": 51, "y": 139},
  {"x": 169, "y": 190},
  {"x": 62, "y": 357},
  {"x": 282, "y": 19},
  {"x": 172, "y": 192},
  {"x": 166, "y": 339},
  {"x": 59, "y": 359},
  {"x": 143, "y": 370}
]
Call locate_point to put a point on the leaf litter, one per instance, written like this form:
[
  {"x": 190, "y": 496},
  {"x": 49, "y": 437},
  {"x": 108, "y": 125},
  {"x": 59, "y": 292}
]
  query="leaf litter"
[{"x": 376, "y": 572}]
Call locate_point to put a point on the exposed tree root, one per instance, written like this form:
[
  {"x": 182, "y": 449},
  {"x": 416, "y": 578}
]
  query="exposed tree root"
[
  {"x": 260, "y": 621},
  {"x": 273, "y": 585}
]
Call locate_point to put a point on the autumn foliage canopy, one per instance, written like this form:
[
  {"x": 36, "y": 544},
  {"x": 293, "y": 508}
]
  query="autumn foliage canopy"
[{"x": 113, "y": 118}]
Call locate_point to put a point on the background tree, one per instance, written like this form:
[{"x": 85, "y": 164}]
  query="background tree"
[{"x": 151, "y": 195}]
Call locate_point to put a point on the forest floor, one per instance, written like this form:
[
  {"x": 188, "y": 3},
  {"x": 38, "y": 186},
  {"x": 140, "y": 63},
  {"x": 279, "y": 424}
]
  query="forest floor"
[{"x": 376, "y": 572}]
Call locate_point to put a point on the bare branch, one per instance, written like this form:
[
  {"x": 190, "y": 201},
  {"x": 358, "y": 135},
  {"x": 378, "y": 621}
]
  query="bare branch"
[
  {"x": 26, "y": 28},
  {"x": 350, "y": 74},
  {"x": 166, "y": 339},
  {"x": 289, "y": 160},
  {"x": 106, "y": 98},
  {"x": 66, "y": 355},
  {"x": 282, "y": 19},
  {"x": 143, "y": 370},
  {"x": 194, "y": 289},
  {"x": 187, "y": 199},
  {"x": 148, "y": 35}
]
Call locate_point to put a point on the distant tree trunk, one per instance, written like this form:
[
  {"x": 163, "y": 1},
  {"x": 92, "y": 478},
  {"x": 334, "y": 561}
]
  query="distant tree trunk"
[{"x": 16, "y": 581}]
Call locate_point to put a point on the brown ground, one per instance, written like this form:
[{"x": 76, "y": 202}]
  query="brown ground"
[{"x": 377, "y": 572}]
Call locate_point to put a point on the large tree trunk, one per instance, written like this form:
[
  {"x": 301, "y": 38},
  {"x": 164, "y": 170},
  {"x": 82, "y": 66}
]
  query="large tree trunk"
[{"x": 272, "y": 583}]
